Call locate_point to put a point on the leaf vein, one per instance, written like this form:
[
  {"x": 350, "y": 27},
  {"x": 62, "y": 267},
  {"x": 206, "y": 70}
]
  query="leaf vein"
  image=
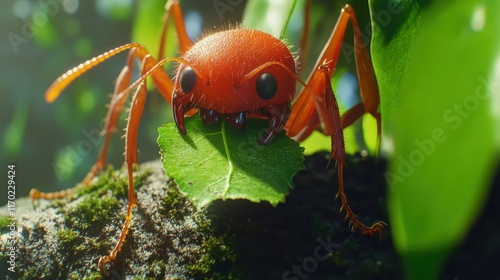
[{"x": 229, "y": 160}]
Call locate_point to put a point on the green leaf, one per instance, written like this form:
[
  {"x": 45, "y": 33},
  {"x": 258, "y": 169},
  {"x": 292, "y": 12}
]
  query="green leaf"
[
  {"x": 268, "y": 16},
  {"x": 438, "y": 72},
  {"x": 221, "y": 162},
  {"x": 394, "y": 34},
  {"x": 148, "y": 23}
]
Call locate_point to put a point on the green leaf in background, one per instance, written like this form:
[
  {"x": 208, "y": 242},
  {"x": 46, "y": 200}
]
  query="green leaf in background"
[
  {"x": 438, "y": 72},
  {"x": 395, "y": 25},
  {"x": 221, "y": 162},
  {"x": 268, "y": 16},
  {"x": 147, "y": 27}
]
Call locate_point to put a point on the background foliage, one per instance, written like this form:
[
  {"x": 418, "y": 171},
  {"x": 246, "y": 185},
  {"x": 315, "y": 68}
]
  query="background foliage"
[{"x": 437, "y": 65}]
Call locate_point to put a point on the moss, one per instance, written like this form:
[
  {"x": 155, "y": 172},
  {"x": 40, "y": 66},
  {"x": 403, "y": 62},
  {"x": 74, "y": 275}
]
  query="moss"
[
  {"x": 3, "y": 256},
  {"x": 67, "y": 236},
  {"x": 108, "y": 180},
  {"x": 57, "y": 203},
  {"x": 200, "y": 217},
  {"x": 70, "y": 240},
  {"x": 92, "y": 212},
  {"x": 101, "y": 200},
  {"x": 94, "y": 276},
  {"x": 173, "y": 199},
  {"x": 74, "y": 276},
  {"x": 174, "y": 203},
  {"x": 4, "y": 222},
  {"x": 219, "y": 256},
  {"x": 157, "y": 269},
  {"x": 99, "y": 206}
]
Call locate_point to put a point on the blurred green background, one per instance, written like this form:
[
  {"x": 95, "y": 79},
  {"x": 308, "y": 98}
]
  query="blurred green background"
[
  {"x": 53, "y": 145},
  {"x": 39, "y": 138},
  {"x": 37, "y": 46}
]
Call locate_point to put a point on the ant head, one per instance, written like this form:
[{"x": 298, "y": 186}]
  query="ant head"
[{"x": 234, "y": 73}]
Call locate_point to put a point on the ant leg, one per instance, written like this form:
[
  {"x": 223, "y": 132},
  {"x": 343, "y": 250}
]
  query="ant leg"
[
  {"x": 301, "y": 121},
  {"x": 367, "y": 81},
  {"x": 135, "y": 114},
  {"x": 120, "y": 95},
  {"x": 316, "y": 106},
  {"x": 305, "y": 34},
  {"x": 328, "y": 112},
  {"x": 112, "y": 117},
  {"x": 173, "y": 7}
]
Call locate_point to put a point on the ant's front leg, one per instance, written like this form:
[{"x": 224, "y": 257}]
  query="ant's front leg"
[
  {"x": 118, "y": 99},
  {"x": 121, "y": 92},
  {"x": 135, "y": 114},
  {"x": 120, "y": 95}
]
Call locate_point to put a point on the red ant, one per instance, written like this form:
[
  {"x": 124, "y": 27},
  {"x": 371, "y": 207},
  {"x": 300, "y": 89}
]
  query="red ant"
[{"x": 234, "y": 75}]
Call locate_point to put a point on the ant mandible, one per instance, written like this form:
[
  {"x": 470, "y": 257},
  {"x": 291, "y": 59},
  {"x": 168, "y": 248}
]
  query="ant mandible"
[{"x": 234, "y": 75}]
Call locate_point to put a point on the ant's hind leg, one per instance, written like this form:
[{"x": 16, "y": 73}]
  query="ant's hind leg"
[
  {"x": 172, "y": 8},
  {"x": 316, "y": 106}
]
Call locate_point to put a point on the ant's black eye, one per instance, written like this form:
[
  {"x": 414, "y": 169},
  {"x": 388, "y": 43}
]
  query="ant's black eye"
[
  {"x": 266, "y": 86},
  {"x": 187, "y": 80}
]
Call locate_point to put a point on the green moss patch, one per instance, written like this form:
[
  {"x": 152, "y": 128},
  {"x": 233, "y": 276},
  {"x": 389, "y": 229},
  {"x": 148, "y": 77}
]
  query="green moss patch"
[
  {"x": 108, "y": 180},
  {"x": 218, "y": 261},
  {"x": 70, "y": 240},
  {"x": 4, "y": 222},
  {"x": 92, "y": 211},
  {"x": 174, "y": 203}
]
